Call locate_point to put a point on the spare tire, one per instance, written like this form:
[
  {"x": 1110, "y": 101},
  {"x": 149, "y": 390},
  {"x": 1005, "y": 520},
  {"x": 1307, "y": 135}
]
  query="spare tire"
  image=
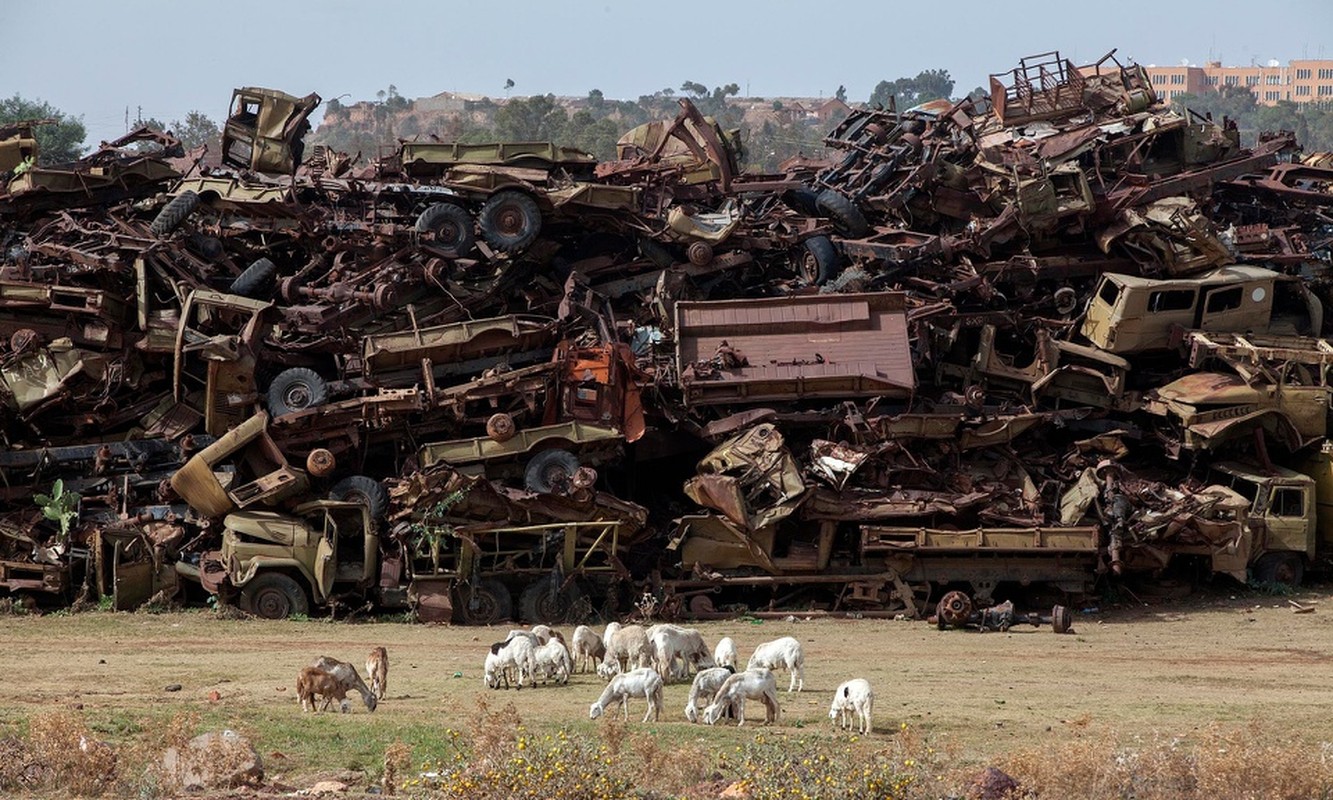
[
  {"x": 452, "y": 226},
  {"x": 255, "y": 280},
  {"x": 551, "y": 472},
  {"x": 542, "y": 603},
  {"x": 802, "y": 200},
  {"x": 296, "y": 389},
  {"x": 174, "y": 213},
  {"x": 510, "y": 221},
  {"x": 364, "y": 490},
  {"x": 819, "y": 260},
  {"x": 847, "y": 218}
]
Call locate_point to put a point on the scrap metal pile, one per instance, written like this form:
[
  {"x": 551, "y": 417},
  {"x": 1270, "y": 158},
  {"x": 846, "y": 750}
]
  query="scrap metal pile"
[{"x": 1065, "y": 334}]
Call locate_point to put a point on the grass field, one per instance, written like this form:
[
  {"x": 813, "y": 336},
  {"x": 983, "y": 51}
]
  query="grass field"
[{"x": 1227, "y": 668}]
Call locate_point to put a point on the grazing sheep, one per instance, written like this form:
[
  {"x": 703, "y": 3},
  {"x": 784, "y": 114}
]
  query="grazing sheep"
[
  {"x": 854, "y": 696},
  {"x": 540, "y": 634},
  {"x": 311, "y": 682},
  {"x": 350, "y": 680},
  {"x": 784, "y": 653},
  {"x": 588, "y": 648},
  {"x": 752, "y": 684},
  {"x": 724, "y": 655},
  {"x": 608, "y": 669},
  {"x": 377, "y": 669},
  {"x": 608, "y": 632},
  {"x": 643, "y": 682},
  {"x": 553, "y": 661},
  {"x": 517, "y": 654},
  {"x": 668, "y": 644},
  {"x": 706, "y": 684},
  {"x": 629, "y": 646}
]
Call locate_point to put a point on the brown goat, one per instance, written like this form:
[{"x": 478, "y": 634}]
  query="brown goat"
[
  {"x": 377, "y": 669},
  {"x": 311, "y": 682}
]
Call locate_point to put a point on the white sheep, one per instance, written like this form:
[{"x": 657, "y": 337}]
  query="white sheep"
[
  {"x": 784, "y": 653},
  {"x": 724, "y": 655},
  {"x": 668, "y": 644},
  {"x": 629, "y": 646},
  {"x": 494, "y": 671},
  {"x": 854, "y": 696},
  {"x": 553, "y": 661},
  {"x": 608, "y": 632},
  {"x": 588, "y": 648},
  {"x": 608, "y": 669},
  {"x": 752, "y": 684},
  {"x": 517, "y": 654},
  {"x": 705, "y": 686},
  {"x": 643, "y": 682}
]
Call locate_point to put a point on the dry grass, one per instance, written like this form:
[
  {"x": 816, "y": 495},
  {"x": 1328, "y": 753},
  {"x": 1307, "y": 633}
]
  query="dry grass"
[{"x": 1174, "y": 701}]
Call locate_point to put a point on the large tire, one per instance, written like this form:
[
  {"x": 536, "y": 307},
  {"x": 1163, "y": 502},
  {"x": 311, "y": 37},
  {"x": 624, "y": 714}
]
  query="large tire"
[
  {"x": 174, "y": 213},
  {"x": 209, "y": 248},
  {"x": 819, "y": 260},
  {"x": 541, "y": 604},
  {"x": 550, "y": 471},
  {"x": 296, "y": 389},
  {"x": 847, "y": 218},
  {"x": 272, "y": 595},
  {"x": 485, "y": 603},
  {"x": 255, "y": 281},
  {"x": 364, "y": 490},
  {"x": 452, "y": 227},
  {"x": 1287, "y": 569},
  {"x": 510, "y": 221},
  {"x": 802, "y": 200}
]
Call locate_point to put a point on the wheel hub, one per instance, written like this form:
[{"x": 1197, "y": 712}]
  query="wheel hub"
[
  {"x": 510, "y": 221},
  {"x": 298, "y": 396}
]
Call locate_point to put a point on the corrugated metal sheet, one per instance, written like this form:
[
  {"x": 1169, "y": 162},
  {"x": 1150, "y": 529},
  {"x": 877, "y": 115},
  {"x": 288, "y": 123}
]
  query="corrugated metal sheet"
[{"x": 853, "y": 345}]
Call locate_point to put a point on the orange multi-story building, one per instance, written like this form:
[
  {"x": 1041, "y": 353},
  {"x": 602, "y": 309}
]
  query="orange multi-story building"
[{"x": 1301, "y": 81}]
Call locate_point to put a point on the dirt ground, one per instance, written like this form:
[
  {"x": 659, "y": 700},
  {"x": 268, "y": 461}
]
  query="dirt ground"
[{"x": 1169, "y": 669}]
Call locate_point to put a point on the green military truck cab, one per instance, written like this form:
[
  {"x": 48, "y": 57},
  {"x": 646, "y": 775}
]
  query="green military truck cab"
[
  {"x": 280, "y": 563},
  {"x": 1281, "y": 533}
]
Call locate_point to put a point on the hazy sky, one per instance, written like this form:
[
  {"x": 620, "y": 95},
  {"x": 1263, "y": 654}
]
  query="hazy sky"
[{"x": 96, "y": 58}]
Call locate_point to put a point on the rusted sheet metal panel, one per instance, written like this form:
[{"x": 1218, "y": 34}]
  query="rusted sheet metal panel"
[{"x": 794, "y": 348}]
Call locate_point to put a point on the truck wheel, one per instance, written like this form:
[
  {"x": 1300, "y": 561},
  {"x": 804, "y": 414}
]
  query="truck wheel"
[
  {"x": 364, "y": 490},
  {"x": 254, "y": 280},
  {"x": 847, "y": 218},
  {"x": 540, "y": 603},
  {"x": 1284, "y": 568},
  {"x": 485, "y": 603},
  {"x": 819, "y": 260},
  {"x": 551, "y": 472},
  {"x": 174, "y": 213},
  {"x": 272, "y": 595},
  {"x": 510, "y": 221},
  {"x": 296, "y": 389},
  {"x": 802, "y": 200},
  {"x": 452, "y": 226}
]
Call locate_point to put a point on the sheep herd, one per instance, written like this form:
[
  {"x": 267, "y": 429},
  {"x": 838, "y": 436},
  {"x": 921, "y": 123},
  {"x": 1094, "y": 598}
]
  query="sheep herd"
[{"x": 636, "y": 662}]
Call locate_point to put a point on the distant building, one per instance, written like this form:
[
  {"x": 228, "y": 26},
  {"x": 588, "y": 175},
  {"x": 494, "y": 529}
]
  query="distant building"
[
  {"x": 446, "y": 103},
  {"x": 1302, "y": 81},
  {"x": 832, "y": 109}
]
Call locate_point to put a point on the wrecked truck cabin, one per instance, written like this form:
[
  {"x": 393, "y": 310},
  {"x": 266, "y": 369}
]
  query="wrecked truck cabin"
[{"x": 1066, "y": 336}]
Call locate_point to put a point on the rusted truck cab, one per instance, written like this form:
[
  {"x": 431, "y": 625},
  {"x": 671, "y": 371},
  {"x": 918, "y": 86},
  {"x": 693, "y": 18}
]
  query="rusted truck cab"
[
  {"x": 1281, "y": 532},
  {"x": 1133, "y": 314},
  {"x": 279, "y": 564},
  {"x": 265, "y": 130}
]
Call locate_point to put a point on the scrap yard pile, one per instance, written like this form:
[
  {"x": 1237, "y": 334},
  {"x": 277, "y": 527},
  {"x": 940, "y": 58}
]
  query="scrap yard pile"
[{"x": 1063, "y": 336}]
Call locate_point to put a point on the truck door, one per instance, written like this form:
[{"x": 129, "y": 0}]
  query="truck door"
[
  {"x": 1288, "y": 520},
  {"x": 326, "y": 558},
  {"x": 132, "y": 582}
]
